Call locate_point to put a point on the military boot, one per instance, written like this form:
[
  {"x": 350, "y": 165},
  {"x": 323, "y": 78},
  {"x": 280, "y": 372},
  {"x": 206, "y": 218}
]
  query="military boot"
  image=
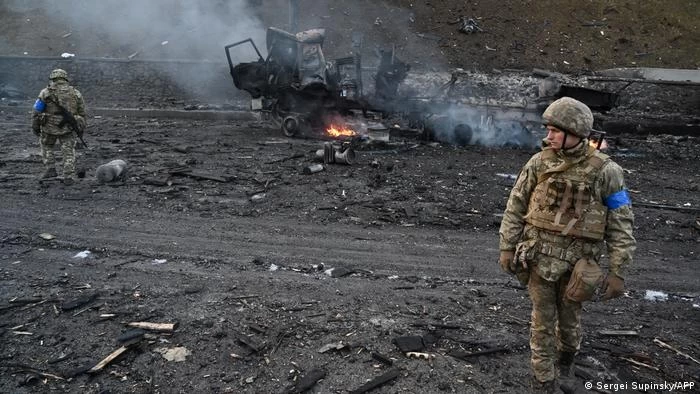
[
  {"x": 566, "y": 364},
  {"x": 49, "y": 173},
  {"x": 548, "y": 387}
]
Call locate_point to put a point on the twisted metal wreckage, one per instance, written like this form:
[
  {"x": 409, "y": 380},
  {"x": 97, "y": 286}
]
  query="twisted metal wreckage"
[{"x": 303, "y": 93}]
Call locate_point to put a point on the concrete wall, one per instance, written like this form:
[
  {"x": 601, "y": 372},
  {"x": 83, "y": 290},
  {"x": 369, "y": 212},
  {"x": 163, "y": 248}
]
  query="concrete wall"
[{"x": 129, "y": 83}]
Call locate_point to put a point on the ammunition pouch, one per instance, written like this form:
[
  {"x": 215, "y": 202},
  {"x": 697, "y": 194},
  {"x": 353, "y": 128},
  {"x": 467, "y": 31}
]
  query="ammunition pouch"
[
  {"x": 524, "y": 253},
  {"x": 585, "y": 279}
]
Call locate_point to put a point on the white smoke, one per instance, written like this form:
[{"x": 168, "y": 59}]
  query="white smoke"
[{"x": 154, "y": 29}]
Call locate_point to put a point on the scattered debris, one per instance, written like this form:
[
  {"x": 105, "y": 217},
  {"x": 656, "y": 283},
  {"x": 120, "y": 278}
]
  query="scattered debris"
[
  {"x": 198, "y": 175},
  {"x": 653, "y": 295},
  {"x": 312, "y": 169},
  {"x": 377, "y": 382},
  {"x": 332, "y": 346},
  {"x": 161, "y": 327},
  {"x": 511, "y": 177},
  {"x": 47, "y": 236},
  {"x": 466, "y": 355},
  {"x": 382, "y": 359},
  {"x": 18, "y": 368},
  {"x": 111, "y": 357},
  {"x": 67, "y": 55},
  {"x": 412, "y": 343},
  {"x": 469, "y": 25},
  {"x": 78, "y": 302},
  {"x": 307, "y": 381},
  {"x": 82, "y": 255},
  {"x": 250, "y": 343},
  {"x": 424, "y": 356},
  {"x": 339, "y": 272},
  {"x": 132, "y": 335},
  {"x": 175, "y": 354},
  {"x": 667, "y": 346},
  {"x": 115, "y": 170},
  {"x": 619, "y": 333},
  {"x": 640, "y": 364},
  {"x": 333, "y": 155}
]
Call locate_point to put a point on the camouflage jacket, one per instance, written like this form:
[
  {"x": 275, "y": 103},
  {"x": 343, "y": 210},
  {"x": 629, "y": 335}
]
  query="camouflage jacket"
[
  {"x": 50, "y": 118},
  {"x": 551, "y": 253}
]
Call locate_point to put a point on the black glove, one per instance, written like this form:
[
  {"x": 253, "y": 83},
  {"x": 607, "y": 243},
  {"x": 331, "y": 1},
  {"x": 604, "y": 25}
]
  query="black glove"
[{"x": 37, "y": 132}]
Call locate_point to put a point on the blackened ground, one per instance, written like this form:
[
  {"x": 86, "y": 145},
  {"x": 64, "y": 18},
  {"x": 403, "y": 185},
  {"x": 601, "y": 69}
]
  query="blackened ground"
[{"x": 242, "y": 264}]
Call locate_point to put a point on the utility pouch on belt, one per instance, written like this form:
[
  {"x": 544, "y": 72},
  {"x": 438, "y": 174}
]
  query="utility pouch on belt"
[
  {"x": 524, "y": 253},
  {"x": 585, "y": 279}
]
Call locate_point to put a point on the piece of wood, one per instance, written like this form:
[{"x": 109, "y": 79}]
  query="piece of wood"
[
  {"x": 619, "y": 333},
  {"x": 603, "y": 78},
  {"x": 465, "y": 355},
  {"x": 161, "y": 327},
  {"x": 78, "y": 302},
  {"x": 250, "y": 343},
  {"x": 28, "y": 369},
  {"x": 640, "y": 364},
  {"x": 382, "y": 358},
  {"x": 378, "y": 381},
  {"x": 99, "y": 366},
  {"x": 664, "y": 206},
  {"x": 307, "y": 381},
  {"x": 667, "y": 346},
  {"x": 200, "y": 175}
]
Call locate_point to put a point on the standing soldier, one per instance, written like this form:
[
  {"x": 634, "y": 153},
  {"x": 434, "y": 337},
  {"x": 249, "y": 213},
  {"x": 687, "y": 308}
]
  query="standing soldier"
[
  {"x": 59, "y": 115},
  {"x": 568, "y": 202}
]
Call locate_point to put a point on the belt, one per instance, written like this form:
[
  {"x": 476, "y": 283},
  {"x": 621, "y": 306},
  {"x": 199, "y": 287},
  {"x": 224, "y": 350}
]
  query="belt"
[{"x": 553, "y": 251}]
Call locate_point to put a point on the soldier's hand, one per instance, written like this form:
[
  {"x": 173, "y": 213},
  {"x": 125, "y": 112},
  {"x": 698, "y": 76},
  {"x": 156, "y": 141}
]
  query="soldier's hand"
[
  {"x": 613, "y": 287},
  {"x": 507, "y": 261},
  {"x": 36, "y": 132}
]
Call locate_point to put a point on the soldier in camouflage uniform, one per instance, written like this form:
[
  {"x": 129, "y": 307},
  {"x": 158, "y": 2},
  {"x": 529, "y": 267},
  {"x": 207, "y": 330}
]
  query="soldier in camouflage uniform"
[
  {"x": 50, "y": 124},
  {"x": 568, "y": 202}
]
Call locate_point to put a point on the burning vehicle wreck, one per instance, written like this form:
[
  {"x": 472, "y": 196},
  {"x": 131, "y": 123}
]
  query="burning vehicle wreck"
[
  {"x": 302, "y": 91},
  {"x": 305, "y": 94}
]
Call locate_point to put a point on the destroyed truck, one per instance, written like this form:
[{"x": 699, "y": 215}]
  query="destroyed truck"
[{"x": 301, "y": 91}]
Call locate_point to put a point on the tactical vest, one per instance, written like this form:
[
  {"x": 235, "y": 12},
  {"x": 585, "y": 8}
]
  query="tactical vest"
[
  {"x": 65, "y": 95},
  {"x": 563, "y": 200}
]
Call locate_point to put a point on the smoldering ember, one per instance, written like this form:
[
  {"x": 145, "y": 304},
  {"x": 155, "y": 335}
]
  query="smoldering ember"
[{"x": 292, "y": 196}]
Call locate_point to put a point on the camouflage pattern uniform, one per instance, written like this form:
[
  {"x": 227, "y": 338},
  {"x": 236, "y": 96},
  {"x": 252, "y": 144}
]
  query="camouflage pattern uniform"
[
  {"x": 565, "y": 205},
  {"x": 48, "y": 124}
]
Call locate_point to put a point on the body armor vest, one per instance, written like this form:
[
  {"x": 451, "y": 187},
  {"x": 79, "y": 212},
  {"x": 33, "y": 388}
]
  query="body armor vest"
[
  {"x": 563, "y": 201},
  {"x": 63, "y": 94}
]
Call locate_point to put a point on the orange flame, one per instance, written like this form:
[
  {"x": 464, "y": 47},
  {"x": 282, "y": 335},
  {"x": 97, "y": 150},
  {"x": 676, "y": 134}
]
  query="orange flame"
[{"x": 337, "y": 131}]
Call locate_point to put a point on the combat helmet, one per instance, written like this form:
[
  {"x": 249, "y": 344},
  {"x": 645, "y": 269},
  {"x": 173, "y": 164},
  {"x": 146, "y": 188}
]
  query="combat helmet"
[
  {"x": 58, "y": 73},
  {"x": 569, "y": 115}
]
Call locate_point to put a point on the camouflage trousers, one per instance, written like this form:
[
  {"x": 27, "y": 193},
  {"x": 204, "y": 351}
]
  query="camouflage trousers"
[
  {"x": 67, "y": 142},
  {"x": 555, "y": 326}
]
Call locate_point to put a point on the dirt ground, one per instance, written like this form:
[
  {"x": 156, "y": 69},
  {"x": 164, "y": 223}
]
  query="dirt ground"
[
  {"x": 267, "y": 265},
  {"x": 274, "y": 275}
]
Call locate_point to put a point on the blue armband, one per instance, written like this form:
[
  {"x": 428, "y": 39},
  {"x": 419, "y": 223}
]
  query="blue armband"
[
  {"x": 618, "y": 199},
  {"x": 39, "y": 105}
]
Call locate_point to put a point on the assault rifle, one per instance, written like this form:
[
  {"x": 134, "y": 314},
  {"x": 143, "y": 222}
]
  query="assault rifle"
[{"x": 69, "y": 119}]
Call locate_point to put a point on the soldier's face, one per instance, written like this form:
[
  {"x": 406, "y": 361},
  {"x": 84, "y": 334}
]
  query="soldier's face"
[{"x": 555, "y": 138}]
